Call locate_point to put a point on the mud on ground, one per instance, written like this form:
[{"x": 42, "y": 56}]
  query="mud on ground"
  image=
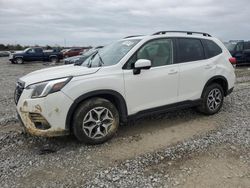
[{"x": 177, "y": 149}]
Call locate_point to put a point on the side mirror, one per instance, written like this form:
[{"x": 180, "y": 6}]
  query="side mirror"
[{"x": 141, "y": 64}]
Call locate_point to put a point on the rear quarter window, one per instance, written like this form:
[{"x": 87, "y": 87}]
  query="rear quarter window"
[{"x": 212, "y": 49}]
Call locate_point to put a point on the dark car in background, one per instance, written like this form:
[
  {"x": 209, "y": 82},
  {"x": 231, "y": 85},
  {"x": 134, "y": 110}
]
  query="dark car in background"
[
  {"x": 240, "y": 50},
  {"x": 72, "y": 52},
  {"x": 78, "y": 60},
  {"x": 35, "y": 54}
]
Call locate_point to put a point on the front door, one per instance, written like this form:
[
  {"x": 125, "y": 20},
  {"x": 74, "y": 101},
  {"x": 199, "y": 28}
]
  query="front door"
[{"x": 156, "y": 86}]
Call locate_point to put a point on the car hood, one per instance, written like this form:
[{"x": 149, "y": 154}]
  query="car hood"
[
  {"x": 18, "y": 52},
  {"x": 57, "y": 72}
]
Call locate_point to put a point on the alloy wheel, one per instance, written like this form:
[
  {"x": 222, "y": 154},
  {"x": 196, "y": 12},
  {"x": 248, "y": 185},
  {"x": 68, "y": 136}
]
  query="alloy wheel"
[
  {"x": 214, "y": 99},
  {"x": 98, "y": 122}
]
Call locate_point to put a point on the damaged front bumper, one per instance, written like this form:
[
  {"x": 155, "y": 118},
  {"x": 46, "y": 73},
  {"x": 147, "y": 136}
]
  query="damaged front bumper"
[{"x": 44, "y": 116}]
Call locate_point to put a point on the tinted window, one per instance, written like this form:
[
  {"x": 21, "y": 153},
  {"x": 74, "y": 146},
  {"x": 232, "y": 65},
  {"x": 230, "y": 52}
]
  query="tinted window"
[
  {"x": 230, "y": 46},
  {"x": 239, "y": 47},
  {"x": 190, "y": 50},
  {"x": 38, "y": 50},
  {"x": 159, "y": 52},
  {"x": 212, "y": 49},
  {"x": 246, "y": 45}
]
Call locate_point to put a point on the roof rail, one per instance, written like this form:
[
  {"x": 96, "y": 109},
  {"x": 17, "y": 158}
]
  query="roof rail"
[
  {"x": 132, "y": 36},
  {"x": 188, "y": 33}
]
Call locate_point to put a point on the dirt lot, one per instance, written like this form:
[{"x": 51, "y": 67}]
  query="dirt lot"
[{"x": 177, "y": 149}]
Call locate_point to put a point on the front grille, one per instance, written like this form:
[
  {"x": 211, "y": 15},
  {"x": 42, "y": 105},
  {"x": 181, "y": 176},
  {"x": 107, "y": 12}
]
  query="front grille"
[{"x": 18, "y": 90}]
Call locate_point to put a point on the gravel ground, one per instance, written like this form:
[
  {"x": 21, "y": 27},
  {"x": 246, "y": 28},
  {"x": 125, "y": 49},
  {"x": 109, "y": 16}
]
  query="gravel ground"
[
  {"x": 9, "y": 75},
  {"x": 178, "y": 149},
  {"x": 233, "y": 136}
]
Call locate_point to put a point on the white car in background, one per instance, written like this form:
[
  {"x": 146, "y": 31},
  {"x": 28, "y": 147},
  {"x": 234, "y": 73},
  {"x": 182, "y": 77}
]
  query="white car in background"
[{"x": 129, "y": 78}]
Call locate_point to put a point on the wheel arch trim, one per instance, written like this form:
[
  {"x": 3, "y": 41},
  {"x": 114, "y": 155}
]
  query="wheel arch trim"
[
  {"x": 53, "y": 56},
  {"x": 18, "y": 57},
  {"x": 211, "y": 80},
  {"x": 122, "y": 107}
]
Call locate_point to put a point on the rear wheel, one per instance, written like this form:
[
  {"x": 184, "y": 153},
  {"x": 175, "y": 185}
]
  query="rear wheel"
[
  {"x": 53, "y": 59},
  {"x": 212, "y": 99},
  {"x": 95, "y": 121},
  {"x": 19, "y": 60}
]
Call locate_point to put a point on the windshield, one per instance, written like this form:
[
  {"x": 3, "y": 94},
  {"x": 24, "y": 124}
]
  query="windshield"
[
  {"x": 111, "y": 54},
  {"x": 27, "y": 49},
  {"x": 230, "y": 46}
]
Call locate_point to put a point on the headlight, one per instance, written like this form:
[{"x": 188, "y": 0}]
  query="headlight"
[{"x": 42, "y": 89}]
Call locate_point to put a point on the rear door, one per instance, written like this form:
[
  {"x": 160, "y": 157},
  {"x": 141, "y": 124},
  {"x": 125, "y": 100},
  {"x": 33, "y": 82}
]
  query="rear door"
[
  {"x": 195, "y": 68},
  {"x": 38, "y": 56}
]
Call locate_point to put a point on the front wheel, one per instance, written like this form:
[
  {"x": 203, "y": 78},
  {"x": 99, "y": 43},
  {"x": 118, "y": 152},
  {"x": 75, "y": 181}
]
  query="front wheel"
[
  {"x": 95, "y": 121},
  {"x": 19, "y": 60},
  {"x": 212, "y": 99}
]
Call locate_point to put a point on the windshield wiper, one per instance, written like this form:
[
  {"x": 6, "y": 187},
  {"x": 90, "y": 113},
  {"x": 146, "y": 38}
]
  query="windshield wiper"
[
  {"x": 91, "y": 60},
  {"x": 101, "y": 61}
]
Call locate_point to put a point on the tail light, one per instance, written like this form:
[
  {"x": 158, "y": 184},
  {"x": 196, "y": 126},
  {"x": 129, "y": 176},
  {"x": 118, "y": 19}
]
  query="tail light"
[{"x": 232, "y": 60}]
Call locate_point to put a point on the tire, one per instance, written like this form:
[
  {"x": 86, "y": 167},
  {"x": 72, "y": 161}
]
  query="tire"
[
  {"x": 53, "y": 59},
  {"x": 212, "y": 99},
  {"x": 90, "y": 119},
  {"x": 19, "y": 60}
]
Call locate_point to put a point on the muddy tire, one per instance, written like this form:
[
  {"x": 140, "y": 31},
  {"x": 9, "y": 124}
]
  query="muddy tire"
[
  {"x": 19, "y": 60},
  {"x": 212, "y": 99},
  {"x": 95, "y": 121}
]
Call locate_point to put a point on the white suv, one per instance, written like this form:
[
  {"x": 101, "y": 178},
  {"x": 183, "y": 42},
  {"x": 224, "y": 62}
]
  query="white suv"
[{"x": 135, "y": 76}]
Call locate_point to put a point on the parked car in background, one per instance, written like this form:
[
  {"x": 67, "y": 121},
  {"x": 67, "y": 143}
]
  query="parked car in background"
[
  {"x": 35, "y": 54},
  {"x": 240, "y": 50},
  {"x": 72, "y": 52},
  {"x": 87, "y": 49},
  {"x": 126, "y": 79},
  {"x": 4, "y": 53},
  {"x": 78, "y": 60}
]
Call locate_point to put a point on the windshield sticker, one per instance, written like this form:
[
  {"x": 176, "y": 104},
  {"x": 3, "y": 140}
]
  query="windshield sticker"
[{"x": 128, "y": 43}]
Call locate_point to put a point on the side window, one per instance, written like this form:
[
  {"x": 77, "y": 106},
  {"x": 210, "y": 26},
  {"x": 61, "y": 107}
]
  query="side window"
[
  {"x": 30, "y": 51},
  {"x": 212, "y": 49},
  {"x": 246, "y": 45},
  {"x": 159, "y": 52},
  {"x": 38, "y": 50},
  {"x": 190, "y": 50},
  {"x": 239, "y": 47}
]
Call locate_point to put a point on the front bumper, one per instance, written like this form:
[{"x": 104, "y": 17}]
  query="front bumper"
[{"x": 44, "y": 116}]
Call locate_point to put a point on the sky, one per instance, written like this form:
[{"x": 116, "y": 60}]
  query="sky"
[{"x": 99, "y": 22}]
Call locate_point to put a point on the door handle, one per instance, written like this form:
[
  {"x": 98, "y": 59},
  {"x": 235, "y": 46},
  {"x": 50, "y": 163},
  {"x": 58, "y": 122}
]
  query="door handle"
[{"x": 172, "y": 71}]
